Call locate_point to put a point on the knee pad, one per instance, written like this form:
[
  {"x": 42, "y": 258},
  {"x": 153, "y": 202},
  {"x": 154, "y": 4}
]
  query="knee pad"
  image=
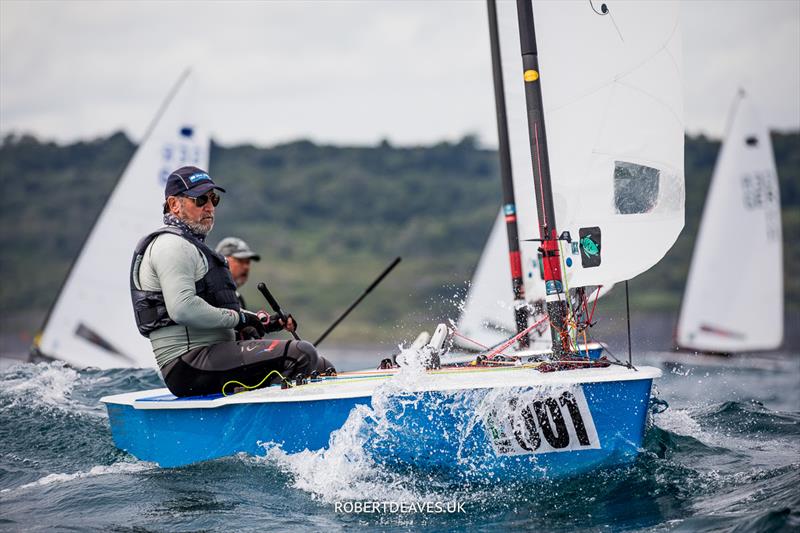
[
  {"x": 317, "y": 362},
  {"x": 307, "y": 360},
  {"x": 307, "y": 348},
  {"x": 303, "y": 356}
]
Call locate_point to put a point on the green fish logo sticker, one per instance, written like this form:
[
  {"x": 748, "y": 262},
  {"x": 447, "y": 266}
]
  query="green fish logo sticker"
[
  {"x": 589, "y": 246},
  {"x": 590, "y": 239}
]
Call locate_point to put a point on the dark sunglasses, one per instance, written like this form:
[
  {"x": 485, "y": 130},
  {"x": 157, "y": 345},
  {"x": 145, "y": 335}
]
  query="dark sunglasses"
[{"x": 200, "y": 201}]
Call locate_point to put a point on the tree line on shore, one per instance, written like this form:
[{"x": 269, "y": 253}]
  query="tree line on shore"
[{"x": 327, "y": 219}]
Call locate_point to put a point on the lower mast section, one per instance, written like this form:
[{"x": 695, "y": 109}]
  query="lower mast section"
[{"x": 555, "y": 296}]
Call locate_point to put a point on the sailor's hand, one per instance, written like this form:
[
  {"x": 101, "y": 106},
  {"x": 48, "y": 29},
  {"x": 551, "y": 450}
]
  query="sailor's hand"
[
  {"x": 249, "y": 320},
  {"x": 270, "y": 323},
  {"x": 274, "y": 323},
  {"x": 291, "y": 323}
]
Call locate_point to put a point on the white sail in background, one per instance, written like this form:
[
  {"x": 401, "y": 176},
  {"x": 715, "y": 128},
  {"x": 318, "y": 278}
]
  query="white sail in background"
[
  {"x": 614, "y": 116},
  {"x": 92, "y": 323},
  {"x": 488, "y": 313},
  {"x": 734, "y": 293}
]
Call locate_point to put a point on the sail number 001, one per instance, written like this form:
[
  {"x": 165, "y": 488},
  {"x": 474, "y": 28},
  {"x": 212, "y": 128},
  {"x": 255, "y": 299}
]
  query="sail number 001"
[{"x": 557, "y": 423}]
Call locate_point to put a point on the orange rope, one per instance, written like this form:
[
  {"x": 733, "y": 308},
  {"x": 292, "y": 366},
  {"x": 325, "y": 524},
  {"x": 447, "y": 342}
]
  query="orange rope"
[{"x": 594, "y": 305}]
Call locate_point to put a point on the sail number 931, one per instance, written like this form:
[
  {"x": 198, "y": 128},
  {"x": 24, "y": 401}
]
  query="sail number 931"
[{"x": 542, "y": 424}]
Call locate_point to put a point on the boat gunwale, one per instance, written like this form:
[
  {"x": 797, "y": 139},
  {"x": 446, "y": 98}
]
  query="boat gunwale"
[{"x": 139, "y": 400}]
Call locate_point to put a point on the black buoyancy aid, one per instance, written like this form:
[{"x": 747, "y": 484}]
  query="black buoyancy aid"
[{"x": 216, "y": 287}]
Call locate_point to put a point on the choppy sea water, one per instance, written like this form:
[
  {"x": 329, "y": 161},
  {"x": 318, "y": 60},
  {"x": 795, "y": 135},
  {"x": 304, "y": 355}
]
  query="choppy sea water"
[{"x": 724, "y": 457}]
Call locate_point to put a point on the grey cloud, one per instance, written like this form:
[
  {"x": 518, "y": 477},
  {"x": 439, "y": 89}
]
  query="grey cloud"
[{"x": 340, "y": 72}]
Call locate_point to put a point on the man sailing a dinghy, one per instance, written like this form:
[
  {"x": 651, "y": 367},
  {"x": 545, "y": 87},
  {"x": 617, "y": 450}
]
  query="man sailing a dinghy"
[{"x": 184, "y": 301}]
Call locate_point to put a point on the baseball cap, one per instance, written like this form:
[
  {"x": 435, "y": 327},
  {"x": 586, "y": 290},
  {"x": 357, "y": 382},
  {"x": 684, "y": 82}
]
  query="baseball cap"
[
  {"x": 189, "y": 181},
  {"x": 236, "y": 247}
]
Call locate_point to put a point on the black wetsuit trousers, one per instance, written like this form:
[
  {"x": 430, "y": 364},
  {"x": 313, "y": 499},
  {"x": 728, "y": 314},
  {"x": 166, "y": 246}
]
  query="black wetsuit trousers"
[{"x": 207, "y": 369}]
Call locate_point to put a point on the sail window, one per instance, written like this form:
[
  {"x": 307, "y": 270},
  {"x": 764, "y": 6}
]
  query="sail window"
[{"x": 635, "y": 188}]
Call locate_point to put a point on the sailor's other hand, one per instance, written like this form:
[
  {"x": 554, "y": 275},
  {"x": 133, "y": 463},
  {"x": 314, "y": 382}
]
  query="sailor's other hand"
[
  {"x": 291, "y": 323},
  {"x": 249, "y": 320}
]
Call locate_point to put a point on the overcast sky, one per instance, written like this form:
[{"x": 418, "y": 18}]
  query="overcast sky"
[{"x": 336, "y": 72}]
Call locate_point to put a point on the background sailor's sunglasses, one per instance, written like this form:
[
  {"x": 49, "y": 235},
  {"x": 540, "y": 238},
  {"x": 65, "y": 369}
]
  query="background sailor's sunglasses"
[{"x": 200, "y": 201}]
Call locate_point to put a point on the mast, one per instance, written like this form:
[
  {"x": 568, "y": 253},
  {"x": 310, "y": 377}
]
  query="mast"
[
  {"x": 509, "y": 204},
  {"x": 548, "y": 235}
]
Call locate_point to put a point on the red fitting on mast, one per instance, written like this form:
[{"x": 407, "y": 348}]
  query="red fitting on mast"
[
  {"x": 516, "y": 264},
  {"x": 551, "y": 261}
]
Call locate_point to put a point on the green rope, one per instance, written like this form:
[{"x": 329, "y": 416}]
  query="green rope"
[
  {"x": 570, "y": 317},
  {"x": 254, "y": 386}
]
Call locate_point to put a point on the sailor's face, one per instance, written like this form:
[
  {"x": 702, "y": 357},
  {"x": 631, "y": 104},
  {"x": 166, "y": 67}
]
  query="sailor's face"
[
  {"x": 200, "y": 219},
  {"x": 240, "y": 270}
]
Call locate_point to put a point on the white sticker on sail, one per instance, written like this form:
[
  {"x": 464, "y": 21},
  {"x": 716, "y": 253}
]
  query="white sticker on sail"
[{"x": 536, "y": 421}]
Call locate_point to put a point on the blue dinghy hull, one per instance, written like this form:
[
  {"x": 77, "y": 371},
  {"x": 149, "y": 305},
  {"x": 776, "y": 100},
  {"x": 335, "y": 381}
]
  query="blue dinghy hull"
[
  {"x": 177, "y": 437},
  {"x": 501, "y": 423}
]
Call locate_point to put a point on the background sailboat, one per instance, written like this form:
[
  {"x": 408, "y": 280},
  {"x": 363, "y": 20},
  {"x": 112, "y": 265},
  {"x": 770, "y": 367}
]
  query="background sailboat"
[
  {"x": 91, "y": 322},
  {"x": 733, "y": 301}
]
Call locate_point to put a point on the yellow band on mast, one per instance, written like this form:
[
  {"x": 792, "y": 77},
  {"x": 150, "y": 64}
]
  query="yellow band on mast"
[{"x": 531, "y": 75}]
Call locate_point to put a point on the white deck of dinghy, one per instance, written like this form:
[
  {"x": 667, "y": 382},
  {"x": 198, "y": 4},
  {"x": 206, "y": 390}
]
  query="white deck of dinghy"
[{"x": 363, "y": 384}]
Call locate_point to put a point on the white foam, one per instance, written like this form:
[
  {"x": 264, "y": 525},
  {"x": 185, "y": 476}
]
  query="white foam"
[
  {"x": 679, "y": 421},
  {"x": 344, "y": 470},
  {"x": 100, "y": 470},
  {"x": 48, "y": 383}
]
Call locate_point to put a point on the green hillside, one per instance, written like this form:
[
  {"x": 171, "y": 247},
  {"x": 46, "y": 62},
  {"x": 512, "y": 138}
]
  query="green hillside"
[{"x": 327, "y": 220}]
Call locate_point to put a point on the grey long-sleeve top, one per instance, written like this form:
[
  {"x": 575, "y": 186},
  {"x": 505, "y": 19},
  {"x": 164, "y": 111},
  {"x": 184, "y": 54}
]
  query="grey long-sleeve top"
[{"x": 173, "y": 265}]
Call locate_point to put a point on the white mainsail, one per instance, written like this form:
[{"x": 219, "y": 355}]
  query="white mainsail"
[
  {"x": 734, "y": 293},
  {"x": 613, "y": 103},
  {"x": 613, "y": 109},
  {"x": 92, "y": 323}
]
